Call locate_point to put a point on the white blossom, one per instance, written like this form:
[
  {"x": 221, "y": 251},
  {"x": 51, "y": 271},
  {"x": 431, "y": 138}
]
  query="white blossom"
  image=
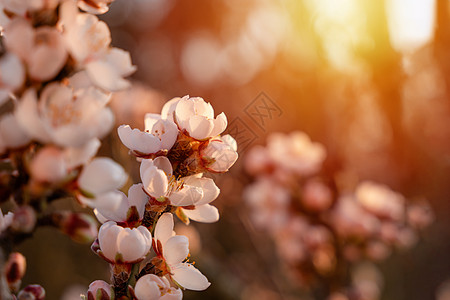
[
  {"x": 159, "y": 135},
  {"x": 296, "y": 152},
  {"x": 11, "y": 133},
  {"x": 101, "y": 175},
  {"x": 220, "y": 154},
  {"x": 42, "y": 49},
  {"x": 65, "y": 117},
  {"x": 100, "y": 286},
  {"x": 21, "y": 7},
  {"x": 159, "y": 182},
  {"x": 381, "y": 200},
  {"x": 152, "y": 287},
  {"x": 49, "y": 165},
  {"x": 195, "y": 116},
  {"x": 175, "y": 248},
  {"x": 119, "y": 244},
  {"x": 12, "y": 75},
  {"x": 88, "y": 40},
  {"x": 115, "y": 205},
  {"x": 94, "y": 6}
]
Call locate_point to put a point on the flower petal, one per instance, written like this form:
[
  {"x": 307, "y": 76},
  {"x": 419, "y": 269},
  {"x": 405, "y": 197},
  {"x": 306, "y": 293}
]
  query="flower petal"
[
  {"x": 138, "y": 198},
  {"x": 190, "y": 278},
  {"x": 176, "y": 249},
  {"x": 208, "y": 186},
  {"x": 107, "y": 238},
  {"x": 153, "y": 179},
  {"x": 220, "y": 123},
  {"x": 199, "y": 127},
  {"x": 203, "y": 213},
  {"x": 164, "y": 228},
  {"x": 188, "y": 195},
  {"x": 112, "y": 206},
  {"x": 137, "y": 140}
]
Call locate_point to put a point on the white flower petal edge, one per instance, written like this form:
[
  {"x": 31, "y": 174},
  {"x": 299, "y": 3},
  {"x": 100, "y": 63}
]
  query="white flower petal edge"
[
  {"x": 189, "y": 277},
  {"x": 175, "y": 249},
  {"x": 195, "y": 116},
  {"x": 203, "y": 213},
  {"x": 131, "y": 244},
  {"x": 154, "y": 287},
  {"x": 102, "y": 175}
]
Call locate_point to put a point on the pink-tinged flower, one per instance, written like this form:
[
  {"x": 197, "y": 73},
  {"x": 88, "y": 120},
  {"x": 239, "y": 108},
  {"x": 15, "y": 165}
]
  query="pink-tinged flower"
[
  {"x": 159, "y": 135},
  {"x": 296, "y": 153},
  {"x": 116, "y": 206},
  {"x": 316, "y": 196},
  {"x": 220, "y": 154},
  {"x": 202, "y": 211},
  {"x": 124, "y": 245},
  {"x": 65, "y": 117},
  {"x": 88, "y": 40},
  {"x": 195, "y": 116},
  {"x": 420, "y": 215},
  {"x": 80, "y": 227},
  {"x": 33, "y": 292},
  {"x": 24, "y": 219},
  {"x": 42, "y": 49},
  {"x": 152, "y": 287},
  {"x": 159, "y": 182},
  {"x": 381, "y": 200},
  {"x": 193, "y": 191},
  {"x": 77, "y": 156},
  {"x": 173, "y": 250},
  {"x": 101, "y": 290},
  {"x": 94, "y": 6},
  {"x": 21, "y": 7},
  {"x": 11, "y": 133},
  {"x": 350, "y": 220},
  {"x": 100, "y": 176},
  {"x": 5, "y": 220},
  {"x": 14, "y": 270},
  {"x": 257, "y": 160},
  {"x": 49, "y": 165},
  {"x": 12, "y": 75},
  {"x": 269, "y": 204}
]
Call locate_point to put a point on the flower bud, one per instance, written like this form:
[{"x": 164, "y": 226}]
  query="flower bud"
[
  {"x": 49, "y": 165},
  {"x": 154, "y": 287},
  {"x": 220, "y": 154},
  {"x": 80, "y": 227},
  {"x": 15, "y": 270},
  {"x": 102, "y": 175},
  {"x": 32, "y": 292},
  {"x": 100, "y": 290},
  {"x": 123, "y": 245},
  {"x": 24, "y": 219}
]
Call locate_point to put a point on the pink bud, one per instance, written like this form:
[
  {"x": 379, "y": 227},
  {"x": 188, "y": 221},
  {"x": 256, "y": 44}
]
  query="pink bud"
[
  {"x": 100, "y": 290},
  {"x": 49, "y": 165},
  {"x": 81, "y": 228},
  {"x": 15, "y": 270},
  {"x": 24, "y": 219},
  {"x": 32, "y": 292}
]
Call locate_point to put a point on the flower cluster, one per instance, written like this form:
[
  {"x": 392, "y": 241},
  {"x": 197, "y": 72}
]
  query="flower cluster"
[
  {"x": 321, "y": 228},
  {"x": 148, "y": 260},
  {"x": 57, "y": 72}
]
